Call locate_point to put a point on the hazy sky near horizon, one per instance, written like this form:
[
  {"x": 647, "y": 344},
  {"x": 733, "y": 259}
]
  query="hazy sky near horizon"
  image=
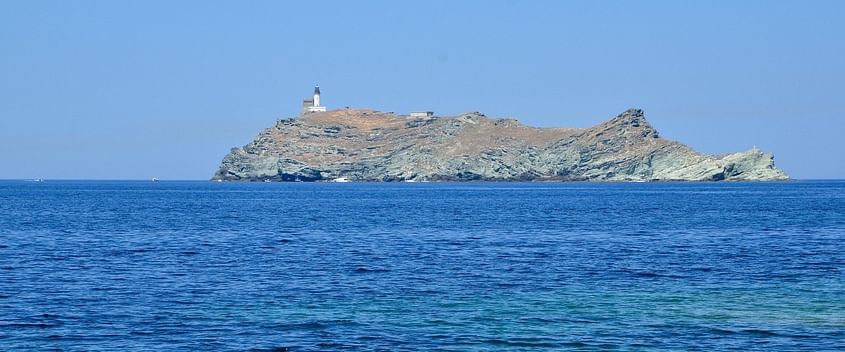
[{"x": 141, "y": 89}]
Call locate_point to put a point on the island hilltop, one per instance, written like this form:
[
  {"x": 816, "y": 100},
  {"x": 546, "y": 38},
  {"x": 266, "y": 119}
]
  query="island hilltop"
[{"x": 368, "y": 145}]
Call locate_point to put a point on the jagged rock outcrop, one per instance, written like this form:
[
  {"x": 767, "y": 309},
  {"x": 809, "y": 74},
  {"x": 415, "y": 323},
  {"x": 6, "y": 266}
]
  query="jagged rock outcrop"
[{"x": 367, "y": 145}]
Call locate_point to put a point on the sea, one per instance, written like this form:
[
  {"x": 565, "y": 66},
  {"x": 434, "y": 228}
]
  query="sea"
[{"x": 208, "y": 266}]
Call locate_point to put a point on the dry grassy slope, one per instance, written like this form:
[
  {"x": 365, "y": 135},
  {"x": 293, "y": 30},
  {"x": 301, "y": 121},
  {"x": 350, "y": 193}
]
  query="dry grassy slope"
[{"x": 370, "y": 145}]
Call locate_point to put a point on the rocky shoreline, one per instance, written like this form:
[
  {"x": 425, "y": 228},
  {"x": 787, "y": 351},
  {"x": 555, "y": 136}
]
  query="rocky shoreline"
[{"x": 367, "y": 145}]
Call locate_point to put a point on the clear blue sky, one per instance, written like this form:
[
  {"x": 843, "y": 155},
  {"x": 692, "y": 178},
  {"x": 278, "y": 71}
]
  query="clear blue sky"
[{"x": 141, "y": 89}]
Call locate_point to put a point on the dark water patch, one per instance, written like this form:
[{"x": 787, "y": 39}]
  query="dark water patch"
[
  {"x": 523, "y": 342},
  {"x": 759, "y": 332},
  {"x": 299, "y": 326},
  {"x": 347, "y": 346},
  {"x": 644, "y": 274},
  {"x": 204, "y": 291},
  {"x": 132, "y": 251},
  {"x": 141, "y": 333},
  {"x": 179, "y": 302},
  {"x": 653, "y": 275},
  {"x": 34, "y": 325},
  {"x": 508, "y": 284},
  {"x": 273, "y": 349},
  {"x": 368, "y": 270},
  {"x": 575, "y": 344},
  {"x": 722, "y": 331},
  {"x": 559, "y": 320}
]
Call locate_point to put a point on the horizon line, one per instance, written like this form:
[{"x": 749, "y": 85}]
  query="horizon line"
[{"x": 211, "y": 180}]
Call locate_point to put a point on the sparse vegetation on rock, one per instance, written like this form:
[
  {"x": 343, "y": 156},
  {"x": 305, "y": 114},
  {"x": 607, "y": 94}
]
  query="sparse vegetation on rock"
[{"x": 367, "y": 145}]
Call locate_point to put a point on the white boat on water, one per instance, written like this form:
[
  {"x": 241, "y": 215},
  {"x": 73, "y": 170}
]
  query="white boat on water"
[{"x": 341, "y": 179}]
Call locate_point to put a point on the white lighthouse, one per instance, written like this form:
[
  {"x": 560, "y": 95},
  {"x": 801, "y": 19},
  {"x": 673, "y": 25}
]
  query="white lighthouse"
[{"x": 313, "y": 105}]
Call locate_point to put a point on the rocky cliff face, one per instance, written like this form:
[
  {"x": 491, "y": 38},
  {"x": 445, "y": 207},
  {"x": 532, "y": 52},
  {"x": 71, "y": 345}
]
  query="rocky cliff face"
[{"x": 366, "y": 145}]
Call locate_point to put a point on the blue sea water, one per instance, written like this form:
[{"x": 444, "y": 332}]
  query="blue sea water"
[{"x": 426, "y": 266}]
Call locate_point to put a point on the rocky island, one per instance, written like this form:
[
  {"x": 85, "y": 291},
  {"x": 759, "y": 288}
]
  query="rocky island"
[{"x": 368, "y": 145}]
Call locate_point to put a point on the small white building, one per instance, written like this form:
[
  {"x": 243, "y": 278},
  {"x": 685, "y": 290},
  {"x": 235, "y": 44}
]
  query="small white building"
[
  {"x": 313, "y": 105},
  {"x": 422, "y": 114}
]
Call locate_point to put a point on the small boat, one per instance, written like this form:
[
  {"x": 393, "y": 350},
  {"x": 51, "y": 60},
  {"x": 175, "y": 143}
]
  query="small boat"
[
  {"x": 154, "y": 179},
  {"x": 341, "y": 179}
]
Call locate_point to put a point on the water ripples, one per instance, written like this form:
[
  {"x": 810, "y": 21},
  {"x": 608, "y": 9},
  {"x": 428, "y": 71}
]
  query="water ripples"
[{"x": 453, "y": 267}]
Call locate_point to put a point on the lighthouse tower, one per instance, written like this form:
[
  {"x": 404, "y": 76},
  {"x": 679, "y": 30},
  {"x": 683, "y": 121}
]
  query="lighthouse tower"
[{"x": 313, "y": 105}]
